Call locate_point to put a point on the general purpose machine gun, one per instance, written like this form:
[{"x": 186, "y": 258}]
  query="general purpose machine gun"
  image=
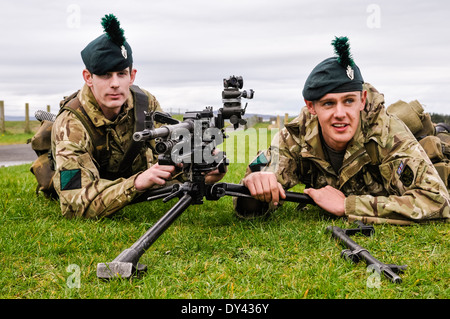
[{"x": 190, "y": 144}]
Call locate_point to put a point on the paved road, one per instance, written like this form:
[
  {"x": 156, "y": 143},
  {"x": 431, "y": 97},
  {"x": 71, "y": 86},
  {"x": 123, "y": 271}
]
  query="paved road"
[{"x": 16, "y": 154}]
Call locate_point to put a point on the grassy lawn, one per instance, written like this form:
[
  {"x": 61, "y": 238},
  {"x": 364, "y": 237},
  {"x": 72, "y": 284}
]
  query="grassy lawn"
[
  {"x": 207, "y": 252},
  {"x": 15, "y": 132}
]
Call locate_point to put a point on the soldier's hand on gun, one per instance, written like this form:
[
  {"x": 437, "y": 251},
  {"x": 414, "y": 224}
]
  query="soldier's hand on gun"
[
  {"x": 264, "y": 187},
  {"x": 328, "y": 198},
  {"x": 214, "y": 176},
  {"x": 155, "y": 175}
]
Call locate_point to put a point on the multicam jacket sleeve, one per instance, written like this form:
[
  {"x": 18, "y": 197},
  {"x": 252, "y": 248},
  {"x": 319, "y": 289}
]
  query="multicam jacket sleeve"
[
  {"x": 415, "y": 192},
  {"x": 386, "y": 175},
  {"x": 82, "y": 192}
]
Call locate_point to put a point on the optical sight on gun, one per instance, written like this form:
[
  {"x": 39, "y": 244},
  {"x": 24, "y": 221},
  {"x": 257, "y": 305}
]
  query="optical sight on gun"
[{"x": 231, "y": 98}]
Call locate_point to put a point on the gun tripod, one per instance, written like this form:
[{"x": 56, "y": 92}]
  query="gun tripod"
[{"x": 126, "y": 264}]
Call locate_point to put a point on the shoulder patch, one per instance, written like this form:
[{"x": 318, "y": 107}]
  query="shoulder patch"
[
  {"x": 406, "y": 174},
  {"x": 258, "y": 162},
  {"x": 70, "y": 179}
]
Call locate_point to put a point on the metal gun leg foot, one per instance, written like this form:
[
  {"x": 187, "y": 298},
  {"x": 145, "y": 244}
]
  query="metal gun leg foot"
[{"x": 119, "y": 269}]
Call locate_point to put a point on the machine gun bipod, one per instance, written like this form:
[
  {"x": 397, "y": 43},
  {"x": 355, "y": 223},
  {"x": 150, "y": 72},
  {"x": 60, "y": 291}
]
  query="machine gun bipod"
[{"x": 126, "y": 264}]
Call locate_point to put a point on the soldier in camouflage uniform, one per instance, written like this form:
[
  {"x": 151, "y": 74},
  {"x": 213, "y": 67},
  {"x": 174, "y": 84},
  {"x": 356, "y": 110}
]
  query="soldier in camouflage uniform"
[
  {"x": 89, "y": 183},
  {"x": 354, "y": 158}
]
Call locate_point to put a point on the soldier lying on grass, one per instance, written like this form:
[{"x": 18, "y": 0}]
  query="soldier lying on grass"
[
  {"x": 355, "y": 159},
  {"x": 98, "y": 168}
]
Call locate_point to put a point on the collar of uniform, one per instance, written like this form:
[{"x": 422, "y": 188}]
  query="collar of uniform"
[
  {"x": 94, "y": 112},
  {"x": 374, "y": 122},
  {"x": 356, "y": 143},
  {"x": 304, "y": 130}
]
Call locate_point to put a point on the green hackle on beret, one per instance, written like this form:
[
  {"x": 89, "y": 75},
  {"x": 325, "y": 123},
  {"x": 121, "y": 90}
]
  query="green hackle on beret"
[
  {"x": 112, "y": 28},
  {"x": 342, "y": 50}
]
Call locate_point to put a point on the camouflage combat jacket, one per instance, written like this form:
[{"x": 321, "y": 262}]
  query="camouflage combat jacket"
[
  {"x": 82, "y": 189},
  {"x": 386, "y": 175}
]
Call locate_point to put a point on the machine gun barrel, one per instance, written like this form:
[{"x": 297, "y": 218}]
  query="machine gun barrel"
[{"x": 162, "y": 131}]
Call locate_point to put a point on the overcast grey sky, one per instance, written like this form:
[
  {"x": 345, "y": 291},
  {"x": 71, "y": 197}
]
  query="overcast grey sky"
[{"x": 183, "y": 49}]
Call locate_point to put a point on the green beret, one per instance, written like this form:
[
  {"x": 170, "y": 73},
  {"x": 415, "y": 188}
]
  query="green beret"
[
  {"x": 109, "y": 52},
  {"x": 334, "y": 75}
]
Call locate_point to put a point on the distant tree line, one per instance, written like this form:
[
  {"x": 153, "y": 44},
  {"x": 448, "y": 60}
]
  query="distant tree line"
[{"x": 440, "y": 118}]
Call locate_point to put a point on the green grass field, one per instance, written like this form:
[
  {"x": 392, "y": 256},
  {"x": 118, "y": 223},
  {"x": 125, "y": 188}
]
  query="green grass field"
[
  {"x": 207, "y": 252},
  {"x": 15, "y": 132}
]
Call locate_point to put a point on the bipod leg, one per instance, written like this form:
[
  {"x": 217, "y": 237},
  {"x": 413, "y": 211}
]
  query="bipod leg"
[
  {"x": 127, "y": 263},
  {"x": 161, "y": 192},
  {"x": 356, "y": 252}
]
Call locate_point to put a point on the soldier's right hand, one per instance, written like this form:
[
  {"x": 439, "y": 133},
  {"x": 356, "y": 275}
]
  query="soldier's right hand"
[
  {"x": 155, "y": 175},
  {"x": 264, "y": 187}
]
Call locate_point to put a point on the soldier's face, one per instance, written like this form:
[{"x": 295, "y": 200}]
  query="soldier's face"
[
  {"x": 111, "y": 90},
  {"x": 338, "y": 115}
]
